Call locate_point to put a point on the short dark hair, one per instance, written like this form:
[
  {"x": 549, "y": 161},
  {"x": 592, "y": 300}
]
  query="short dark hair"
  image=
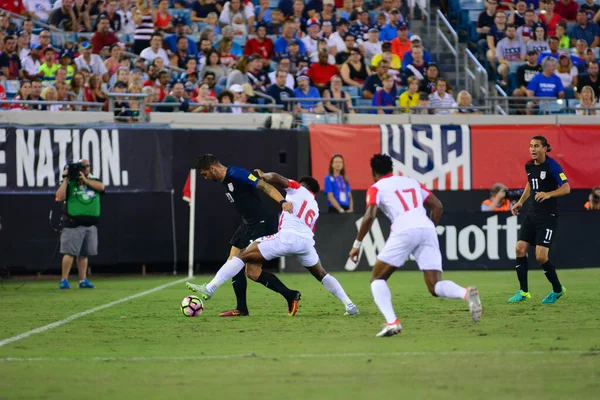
[
  {"x": 310, "y": 183},
  {"x": 544, "y": 142},
  {"x": 382, "y": 164},
  {"x": 554, "y": 38},
  {"x": 205, "y": 161},
  {"x": 120, "y": 85},
  {"x": 510, "y": 26}
]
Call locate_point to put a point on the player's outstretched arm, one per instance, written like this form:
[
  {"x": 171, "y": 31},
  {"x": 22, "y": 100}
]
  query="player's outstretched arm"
[
  {"x": 365, "y": 227},
  {"x": 273, "y": 178},
  {"x": 436, "y": 207},
  {"x": 275, "y": 195}
]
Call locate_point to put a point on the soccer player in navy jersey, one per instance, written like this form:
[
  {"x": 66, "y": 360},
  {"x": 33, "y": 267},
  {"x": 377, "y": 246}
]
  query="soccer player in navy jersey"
[
  {"x": 242, "y": 190},
  {"x": 546, "y": 181}
]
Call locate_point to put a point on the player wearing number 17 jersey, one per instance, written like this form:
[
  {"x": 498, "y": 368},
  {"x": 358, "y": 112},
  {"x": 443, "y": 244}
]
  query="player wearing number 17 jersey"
[
  {"x": 294, "y": 238},
  {"x": 403, "y": 201}
]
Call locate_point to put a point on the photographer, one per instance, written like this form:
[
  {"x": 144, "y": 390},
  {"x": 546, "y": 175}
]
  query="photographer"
[
  {"x": 79, "y": 191},
  {"x": 594, "y": 200},
  {"x": 498, "y": 200}
]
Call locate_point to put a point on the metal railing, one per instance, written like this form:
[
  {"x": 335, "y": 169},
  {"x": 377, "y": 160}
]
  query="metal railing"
[
  {"x": 426, "y": 13},
  {"x": 453, "y": 48},
  {"x": 476, "y": 77},
  {"x": 512, "y": 105},
  {"x": 500, "y": 108},
  {"x": 35, "y": 21}
]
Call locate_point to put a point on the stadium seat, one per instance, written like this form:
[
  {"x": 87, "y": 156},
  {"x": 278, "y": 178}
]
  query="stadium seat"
[
  {"x": 472, "y": 28},
  {"x": 12, "y": 88},
  {"x": 571, "y": 104},
  {"x": 353, "y": 91},
  {"x": 273, "y": 3},
  {"x": 363, "y": 103},
  {"x": 200, "y": 25},
  {"x": 241, "y": 40},
  {"x": 465, "y": 13},
  {"x": 552, "y": 106},
  {"x": 181, "y": 13}
]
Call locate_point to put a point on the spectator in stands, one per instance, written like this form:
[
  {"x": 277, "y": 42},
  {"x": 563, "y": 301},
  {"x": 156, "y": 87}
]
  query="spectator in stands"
[
  {"x": 390, "y": 31},
  {"x": 50, "y": 94},
  {"x": 64, "y": 17},
  {"x": 176, "y": 95},
  {"x": 360, "y": 28},
  {"x": 10, "y": 63},
  {"x": 257, "y": 75},
  {"x": 27, "y": 26},
  {"x": 85, "y": 15},
  {"x": 76, "y": 90},
  {"x": 171, "y": 40},
  {"x": 202, "y": 8},
  {"x": 496, "y": 33},
  {"x": 239, "y": 73},
  {"x": 66, "y": 62},
  {"x": 22, "y": 94},
  {"x": 586, "y": 30},
  {"x": 336, "y": 92},
  {"x": 579, "y": 57},
  {"x": 155, "y": 49},
  {"x": 47, "y": 71},
  {"x": 144, "y": 17},
  {"x": 63, "y": 95},
  {"x": 60, "y": 77},
  {"x": 313, "y": 27},
  {"x": 498, "y": 200},
  {"x": 526, "y": 30},
  {"x": 539, "y": 41},
  {"x": 552, "y": 50},
  {"x": 563, "y": 40},
  {"x": 588, "y": 104},
  {"x": 239, "y": 16},
  {"x": 240, "y": 96},
  {"x": 509, "y": 50},
  {"x": 401, "y": 44},
  {"x": 441, "y": 100},
  {"x": 205, "y": 46},
  {"x": 567, "y": 73},
  {"x": 263, "y": 12},
  {"x": 162, "y": 18},
  {"x": 386, "y": 54},
  {"x": 35, "y": 95},
  {"x": 289, "y": 32},
  {"x": 424, "y": 105},
  {"x": 124, "y": 11},
  {"x": 122, "y": 75},
  {"x": 321, "y": 72},
  {"x": 328, "y": 13},
  {"x": 386, "y": 97},
  {"x": 410, "y": 98},
  {"x": 336, "y": 41},
  {"x": 112, "y": 63},
  {"x": 464, "y": 102},
  {"x": 31, "y": 64},
  {"x": 260, "y": 44},
  {"x": 114, "y": 20},
  {"x": 431, "y": 77},
  {"x": 204, "y": 100},
  {"x": 305, "y": 91},
  {"x": 181, "y": 56},
  {"x": 593, "y": 202},
  {"x": 591, "y": 79},
  {"x": 550, "y": 18},
  {"x": 525, "y": 74},
  {"x": 162, "y": 83},
  {"x": 371, "y": 47},
  {"x": 354, "y": 72},
  {"x": 103, "y": 35},
  {"x": 44, "y": 40},
  {"x": 590, "y": 8},
  {"x": 23, "y": 45},
  {"x": 417, "y": 68},
  {"x": 337, "y": 187},
  {"x": 280, "y": 89},
  {"x": 589, "y": 57},
  {"x": 567, "y": 9},
  {"x": 225, "y": 97},
  {"x": 415, "y": 41},
  {"x": 342, "y": 56},
  {"x": 484, "y": 24},
  {"x": 283, "y": 65},
  {"x": 38, "y": 9},
  {"x": 546, "y": 84},
  {"x": 92, "y": 61},
  {"x": 213, "y": 64},
  {"x": 322, "y": 45},
  {"x": 516, "y": 16},
  {"x": 374, "y": 81}
]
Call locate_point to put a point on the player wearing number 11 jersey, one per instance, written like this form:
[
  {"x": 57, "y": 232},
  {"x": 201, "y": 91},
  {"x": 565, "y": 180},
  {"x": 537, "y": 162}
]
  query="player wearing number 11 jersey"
[
  {"x": 403, "y": 201},
  {"x": 295, "y": 238}
]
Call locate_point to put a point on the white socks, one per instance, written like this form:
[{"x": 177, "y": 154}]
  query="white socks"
[
  {"x": 383, "y": 299},
  {"x": 450, "y": 290},
  {"x": 336, "y": 289},
  {"x": 227, "y": 271}
]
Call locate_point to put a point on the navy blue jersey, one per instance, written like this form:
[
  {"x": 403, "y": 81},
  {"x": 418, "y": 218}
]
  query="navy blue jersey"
[
  {"x": 241, "y": 191},
  {"x": 545, "y": 177}
]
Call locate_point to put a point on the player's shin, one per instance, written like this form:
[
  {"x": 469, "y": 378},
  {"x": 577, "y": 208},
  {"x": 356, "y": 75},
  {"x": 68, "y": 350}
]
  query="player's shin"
[
  {"x": 552, "y": 277},
  {"x": 383, "y": 300},
  {"x": 272, "y": 282},
  {"x": 450, "y": 290},
  {"x": 230, "y": 269},
  {"x": 334, "y": 287},
  {"x": 522, "y": 269}
]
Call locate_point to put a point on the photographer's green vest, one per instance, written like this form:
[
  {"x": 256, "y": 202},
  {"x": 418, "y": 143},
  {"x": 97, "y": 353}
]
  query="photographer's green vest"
[{"x": 83, "y": 204}]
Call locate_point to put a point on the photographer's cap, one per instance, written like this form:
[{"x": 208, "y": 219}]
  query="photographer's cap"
[{"x": 498, "y": 187}]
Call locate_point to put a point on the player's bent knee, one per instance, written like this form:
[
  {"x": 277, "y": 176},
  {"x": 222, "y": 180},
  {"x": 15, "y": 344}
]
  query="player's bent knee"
[
  {"x": 541, "y": 258},
  {"x": 253, "y": 271}
]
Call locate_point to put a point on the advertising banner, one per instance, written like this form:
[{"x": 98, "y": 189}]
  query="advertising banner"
[{"x": 456, "y": 157}]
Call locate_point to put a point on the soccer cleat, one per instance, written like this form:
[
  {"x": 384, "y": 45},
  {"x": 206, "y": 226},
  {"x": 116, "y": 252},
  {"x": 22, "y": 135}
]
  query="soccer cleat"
[
  {"x": 200, "y": 289},
  {"x": 474, "y": 302},
  {"x": 520, "y": 297},
  {"x": 390, "y": 329},
  {"x": 233, "y": 313},
  {"x": 64, "y": 284},
  {"x": 351, "y": 309},
  {"x": 293, "y": 304},
  {"x": 552, "y": 297},
  {"x": 85, "y": 284}
]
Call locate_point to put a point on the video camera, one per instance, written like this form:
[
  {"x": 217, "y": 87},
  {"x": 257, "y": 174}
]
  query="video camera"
[{"x": 73, "y": 170}]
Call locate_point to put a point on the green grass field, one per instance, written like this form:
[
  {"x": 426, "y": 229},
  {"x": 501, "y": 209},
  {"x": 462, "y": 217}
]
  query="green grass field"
[{"x": 145, "y": 349}]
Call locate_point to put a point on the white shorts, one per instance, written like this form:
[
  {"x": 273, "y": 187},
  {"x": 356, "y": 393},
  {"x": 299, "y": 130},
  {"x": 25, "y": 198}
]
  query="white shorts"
[
  {"x": 287, "y": 244},
  {"x": 421, "y": 242}
]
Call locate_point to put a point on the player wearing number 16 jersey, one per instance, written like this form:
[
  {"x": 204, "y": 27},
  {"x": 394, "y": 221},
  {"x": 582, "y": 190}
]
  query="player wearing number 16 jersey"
[
  {"x": 545, "y": 182},
  {"x": 403, "y": 201},
  {"x": 295, "y": 238}
]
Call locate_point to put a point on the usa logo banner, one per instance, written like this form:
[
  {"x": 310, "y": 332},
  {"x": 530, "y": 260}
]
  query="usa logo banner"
[{"x": 439, "y": 156}]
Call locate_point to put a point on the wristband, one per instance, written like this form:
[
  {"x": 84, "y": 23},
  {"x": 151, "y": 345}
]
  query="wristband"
[
  {"x": 283, "y": 201},
  {"x": 356, "y": 244}
]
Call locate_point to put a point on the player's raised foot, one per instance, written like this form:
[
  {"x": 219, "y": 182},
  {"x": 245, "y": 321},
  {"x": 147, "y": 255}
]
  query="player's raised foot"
[
  {"x": 64, "y": 284},
  {"x": 390, "y": 329},
  {"x": 234, "y": 313},
  {"x": 520, "y": 297},
  {"x": 85, "y": 284},
  {"x": 553, "y": 296},
  {"x": 351, "y": 309},
  {"x": 200, "y": 289},
  {"x": 474, "y": 302},
  {"x": 293, "y": 303}
]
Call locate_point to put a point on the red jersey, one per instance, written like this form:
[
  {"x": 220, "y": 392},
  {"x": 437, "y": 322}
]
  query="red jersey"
[
  {"x": 15, "y": 6},
  {"x": 321, "y": 74},
  {"x": 264, "y": 48},
  {"x": 566, "y": 11}
]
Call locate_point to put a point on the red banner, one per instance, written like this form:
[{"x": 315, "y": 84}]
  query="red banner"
[{"x": 456, "y": 157}]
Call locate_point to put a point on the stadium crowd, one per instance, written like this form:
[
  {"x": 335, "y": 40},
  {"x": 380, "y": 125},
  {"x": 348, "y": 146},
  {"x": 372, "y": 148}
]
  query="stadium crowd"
[{"x": 318, "y": 56}]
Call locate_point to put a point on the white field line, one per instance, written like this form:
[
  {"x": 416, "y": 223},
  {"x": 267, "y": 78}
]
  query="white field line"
[
  {"x": 87, "y": 312},
  {"x": 301, "y": 356}
]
